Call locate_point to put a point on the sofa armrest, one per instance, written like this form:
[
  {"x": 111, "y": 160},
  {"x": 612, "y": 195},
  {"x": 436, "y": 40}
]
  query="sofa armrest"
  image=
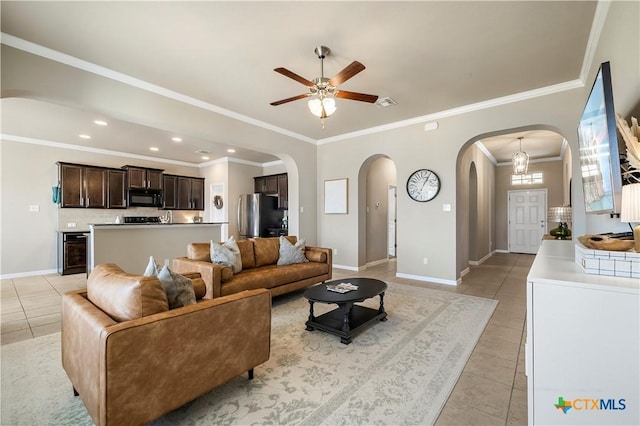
[
  {"x": 320, "y": 254},
  {"x": 210, "y": 273},
  {"x": 82, "y": 323}
]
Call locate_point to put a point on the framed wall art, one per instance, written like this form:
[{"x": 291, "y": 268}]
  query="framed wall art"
[{"x": 336, "y": 196}]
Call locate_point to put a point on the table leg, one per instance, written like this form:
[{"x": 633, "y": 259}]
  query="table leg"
[
  {"x": 346, "y": 327},
  {"x": 311, "y": 317},
  {"x": 381, "y": 309},
  {"x": 346, "y": 312}
]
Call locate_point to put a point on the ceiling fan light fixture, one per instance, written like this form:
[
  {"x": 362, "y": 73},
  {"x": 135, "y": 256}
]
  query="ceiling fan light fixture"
[{"x": 322, "y": 106}]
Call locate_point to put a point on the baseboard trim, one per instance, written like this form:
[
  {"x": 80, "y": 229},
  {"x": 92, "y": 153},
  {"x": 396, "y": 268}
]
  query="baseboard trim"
[
  {"x": 502, "y": 251},
  {"x": 28, "y": 274},
  {"x": 465, "y": 271},
  {"x": 376, "y": 262},
  {"x": 429, "y": 279},
  {"x": 348, "y": 268},
  {"x": 481, "y": 261}
]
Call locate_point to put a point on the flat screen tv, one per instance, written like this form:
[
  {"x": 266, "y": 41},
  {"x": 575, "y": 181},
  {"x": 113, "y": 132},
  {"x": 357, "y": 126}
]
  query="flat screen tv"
[{"x": 599, "y": 160}]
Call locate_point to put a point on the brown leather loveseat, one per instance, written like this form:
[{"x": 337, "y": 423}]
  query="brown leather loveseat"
[
  {"x": 259, "y": 268},
  {"x": 131, "y": 359}
]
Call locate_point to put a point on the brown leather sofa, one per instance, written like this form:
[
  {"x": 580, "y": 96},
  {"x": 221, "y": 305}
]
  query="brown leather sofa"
[
  {"x": 131, "y": 359},
  {"x": 259, "y": 268}
]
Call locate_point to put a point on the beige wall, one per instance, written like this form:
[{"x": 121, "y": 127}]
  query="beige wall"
[
  {"x": 424, "y": 229},
  {"x": 476, "y": 215}
]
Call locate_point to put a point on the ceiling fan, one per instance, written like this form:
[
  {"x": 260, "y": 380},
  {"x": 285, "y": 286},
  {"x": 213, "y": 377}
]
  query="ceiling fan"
[{"x": 324, "y": 90}]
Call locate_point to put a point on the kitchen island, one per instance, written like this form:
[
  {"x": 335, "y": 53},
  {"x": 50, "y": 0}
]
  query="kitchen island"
[{"x": 130, "y": 245}]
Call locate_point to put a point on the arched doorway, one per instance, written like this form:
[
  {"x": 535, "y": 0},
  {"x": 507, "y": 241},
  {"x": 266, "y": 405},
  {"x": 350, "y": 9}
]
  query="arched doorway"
[
  {"x": 484, "y": 177},
  {"x": 377, "y": 174}
]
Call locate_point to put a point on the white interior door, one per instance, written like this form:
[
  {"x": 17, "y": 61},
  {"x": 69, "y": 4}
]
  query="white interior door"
[
  {"x": 391, "y": 226},
  {"x": 527, "y": 220}
]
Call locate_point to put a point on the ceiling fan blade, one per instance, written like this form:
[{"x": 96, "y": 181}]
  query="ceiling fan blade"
[
  {"x": 352, "y": 69},
  {"x": 354, "y": 96},
  {"x": 294, "y": 98},
  {"x": 294, "y": 76}
]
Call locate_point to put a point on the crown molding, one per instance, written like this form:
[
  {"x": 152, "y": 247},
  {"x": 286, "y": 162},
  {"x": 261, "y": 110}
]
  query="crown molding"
[
  {"x": 72, "y": 61},
  {"x": 486, "y": 152},
  {"x": 516, "y": 97},
  {"x": 599, "y": 18}
]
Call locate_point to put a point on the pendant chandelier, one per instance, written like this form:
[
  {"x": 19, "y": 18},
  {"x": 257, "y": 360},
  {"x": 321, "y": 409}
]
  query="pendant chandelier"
[{"x": 520, "y": 161}]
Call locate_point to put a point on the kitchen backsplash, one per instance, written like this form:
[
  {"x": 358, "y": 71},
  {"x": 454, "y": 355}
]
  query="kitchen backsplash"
[{"x": 82, "y": 218}]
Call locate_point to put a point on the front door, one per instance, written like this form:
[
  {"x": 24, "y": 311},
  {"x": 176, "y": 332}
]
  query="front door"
[{"x": 527, "y": 220}]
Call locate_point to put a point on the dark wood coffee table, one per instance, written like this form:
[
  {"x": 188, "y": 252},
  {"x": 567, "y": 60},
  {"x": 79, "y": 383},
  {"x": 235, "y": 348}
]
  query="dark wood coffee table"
[{"x": 347, "y": 319}]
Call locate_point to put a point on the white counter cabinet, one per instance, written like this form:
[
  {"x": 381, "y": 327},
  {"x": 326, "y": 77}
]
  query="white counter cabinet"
[
  {"x": 583, "y": 343},
  {"x": 129, "y": 246}
]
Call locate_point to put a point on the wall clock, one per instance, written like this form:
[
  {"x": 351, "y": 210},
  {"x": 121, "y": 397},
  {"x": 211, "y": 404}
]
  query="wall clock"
[{"x": 423, "y": 185}]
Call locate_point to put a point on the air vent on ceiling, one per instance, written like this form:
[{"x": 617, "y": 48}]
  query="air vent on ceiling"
[
  {"x": 385, "y": 102},
  {"x": 203, "y": 151}
]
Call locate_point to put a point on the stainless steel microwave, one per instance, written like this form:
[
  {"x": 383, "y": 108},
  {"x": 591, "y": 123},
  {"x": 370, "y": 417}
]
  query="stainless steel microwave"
[{"x": 145, "y": 198}]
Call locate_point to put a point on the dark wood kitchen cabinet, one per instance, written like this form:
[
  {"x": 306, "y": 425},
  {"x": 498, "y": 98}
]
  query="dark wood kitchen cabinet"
[
  {"x": 266, "y": 184},
  {"x": 283, "y": 192},
  {"x": 82, "y": 186},
  {"x": 276, "y": 185},
  {"x": 190, "y": 193},
  {"x": 183, "y": 192},
  {"x": 116, "y": 189},
  {"x": 139, "y": 177},
  {"x": 170, "y": 189}
]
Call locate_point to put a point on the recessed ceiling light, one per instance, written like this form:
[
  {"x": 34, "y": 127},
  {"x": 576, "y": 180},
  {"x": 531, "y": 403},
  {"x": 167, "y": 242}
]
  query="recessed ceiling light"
[
  {"x": 83, "y": 136},
  {"x": 176, "y": 139},
  {"x": 205, "y": 157},
  {"x": 153, "y": 148},
  {"x": 100, "y": 122},
  {"x": 231, "y": 150}
]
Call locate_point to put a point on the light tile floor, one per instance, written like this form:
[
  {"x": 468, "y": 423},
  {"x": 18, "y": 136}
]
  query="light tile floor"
[{"x": 492, "y": 389}]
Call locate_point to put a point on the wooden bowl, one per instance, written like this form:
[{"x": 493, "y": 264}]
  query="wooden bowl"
[{"x": 603, "y": 242}]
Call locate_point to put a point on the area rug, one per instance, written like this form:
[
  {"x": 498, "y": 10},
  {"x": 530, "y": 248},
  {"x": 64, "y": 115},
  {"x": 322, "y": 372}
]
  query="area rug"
[{"x": 400, "y": 371}]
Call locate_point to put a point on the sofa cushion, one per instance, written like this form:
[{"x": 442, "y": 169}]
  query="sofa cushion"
[
  {"x": 227, "y": 254},
  {"x": 247, "y": 254},
  {"x": 125, "y": 296},
  {"x": 271, "y": 276},
  {"x": 290, "y": 253},
  {"x": 267, "y": 251},
  {"x": 179, "y": 288}
]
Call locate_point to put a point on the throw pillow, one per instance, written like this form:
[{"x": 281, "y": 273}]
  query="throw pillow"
[
  {"x": 152, "y": 268},
  {"x": 227, "y": 254},
  {"x": 179, "y": 288},
  {"x": 290, "y": 254}
]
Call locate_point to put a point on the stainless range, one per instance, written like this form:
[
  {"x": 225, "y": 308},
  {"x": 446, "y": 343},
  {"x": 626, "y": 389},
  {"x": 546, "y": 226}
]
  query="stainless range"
[{"x": 141, "y": 219}]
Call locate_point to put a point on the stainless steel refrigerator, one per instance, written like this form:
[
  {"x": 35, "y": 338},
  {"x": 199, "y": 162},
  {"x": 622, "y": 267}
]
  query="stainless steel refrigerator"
[{"x": 256, "y": 214}]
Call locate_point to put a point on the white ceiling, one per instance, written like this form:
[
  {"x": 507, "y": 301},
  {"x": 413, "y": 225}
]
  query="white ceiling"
[{"x": 428, "y": 56}]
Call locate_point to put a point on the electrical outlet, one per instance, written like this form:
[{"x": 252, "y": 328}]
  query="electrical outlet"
[
  {"x": 446, "y": 207},
  {"x": 71, "y": 225},
  {"x": 34, "y": 208},
  {"x": 166, "y": 262},
  {"x": 425, "y": 261},
  {"x": 301, "y": 209},
  {"x": 335, "y": 252}
]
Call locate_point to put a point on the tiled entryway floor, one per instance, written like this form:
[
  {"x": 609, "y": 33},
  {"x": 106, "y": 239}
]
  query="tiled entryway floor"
[{"x": 492, "y": 389}]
